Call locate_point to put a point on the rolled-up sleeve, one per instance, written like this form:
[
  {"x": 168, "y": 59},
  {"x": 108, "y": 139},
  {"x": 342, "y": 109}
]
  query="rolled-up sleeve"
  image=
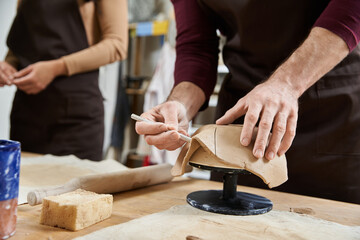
[
  {"x": 197, "y": 46},
  {"x": 342, "y": 17}
]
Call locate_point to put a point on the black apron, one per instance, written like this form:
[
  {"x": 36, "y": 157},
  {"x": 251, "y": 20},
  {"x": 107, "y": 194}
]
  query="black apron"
[
  {"x": 324, "y": 159},
  {"x": 68, "y": 116}
]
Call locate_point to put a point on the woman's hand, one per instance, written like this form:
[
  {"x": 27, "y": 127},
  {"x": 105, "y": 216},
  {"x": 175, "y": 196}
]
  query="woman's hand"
[
  {"x": 275, "y": 105},
  {"x": 170, "y": 118},
  {"x": 6, "y": 73},
  {"x": 36, "y": 77}
]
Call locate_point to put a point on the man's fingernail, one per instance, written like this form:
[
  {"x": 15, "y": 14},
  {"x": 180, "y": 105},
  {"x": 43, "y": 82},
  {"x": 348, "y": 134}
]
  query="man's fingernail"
[
  {"x": 258, "y": 153},
  {"x": 245, "y": 141},
  {"x": 271, "y": 155}
]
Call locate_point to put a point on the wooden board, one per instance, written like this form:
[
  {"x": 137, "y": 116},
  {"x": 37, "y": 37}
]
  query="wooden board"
[{"x": 137, "y": 203}]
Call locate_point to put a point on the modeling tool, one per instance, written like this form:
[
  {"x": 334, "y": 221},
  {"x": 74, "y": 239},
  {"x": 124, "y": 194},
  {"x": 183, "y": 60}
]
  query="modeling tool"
[{"x": 138, "y": 118}]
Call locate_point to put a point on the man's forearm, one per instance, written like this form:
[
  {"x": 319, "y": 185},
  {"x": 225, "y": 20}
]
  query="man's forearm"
[
  {"x": 320, "y": 52},
  {"x": 190, "y": 95}
]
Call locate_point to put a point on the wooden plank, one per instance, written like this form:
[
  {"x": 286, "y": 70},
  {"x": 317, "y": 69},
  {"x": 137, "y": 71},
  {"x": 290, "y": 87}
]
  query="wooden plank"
[{"x": 137, "y": 203}]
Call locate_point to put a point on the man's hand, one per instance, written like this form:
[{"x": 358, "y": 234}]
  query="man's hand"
[
  {"x": 274, "y": 102},
  {"x": 275, "y": 105},
  {"x": 170, "y": 118},
  {"x": 36, "y": 77},
  {"x": 6, "y": 74}
]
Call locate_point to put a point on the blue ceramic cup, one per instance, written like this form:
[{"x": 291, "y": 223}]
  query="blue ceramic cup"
[{"x": 9, "y": 186}]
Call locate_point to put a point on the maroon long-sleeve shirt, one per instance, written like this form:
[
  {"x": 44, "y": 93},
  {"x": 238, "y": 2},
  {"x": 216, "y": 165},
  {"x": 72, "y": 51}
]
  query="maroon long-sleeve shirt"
[{"x": 197, "y": 42}]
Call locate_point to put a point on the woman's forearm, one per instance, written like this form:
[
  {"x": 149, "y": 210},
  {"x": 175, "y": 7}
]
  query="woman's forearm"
[{"x": 59, "y": 67}]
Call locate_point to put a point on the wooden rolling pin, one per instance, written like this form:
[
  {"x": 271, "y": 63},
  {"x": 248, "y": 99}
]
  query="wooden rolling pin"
[{"x": 108, "y": 182}]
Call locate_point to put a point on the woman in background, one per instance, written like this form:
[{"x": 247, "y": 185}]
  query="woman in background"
[{"x": 55, "y": 51}]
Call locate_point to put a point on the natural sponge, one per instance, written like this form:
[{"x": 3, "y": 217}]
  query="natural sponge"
[{"x": 76, "y": 210}]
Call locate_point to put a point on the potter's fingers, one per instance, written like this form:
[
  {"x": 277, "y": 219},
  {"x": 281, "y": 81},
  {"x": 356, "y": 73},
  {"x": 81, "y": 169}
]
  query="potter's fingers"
[
  {"x": 170, "y": 147},
  {"x": 233, "y": 113},
  {"x": 262, "y": 137},
  {"x": 152, "y": 116},
  {"x": 153, "y": 128},
  {"x": 170, "y": 112},
  {"x": 278, "y": 131},
  {"x": 289, "y": 134},
  {"x": 165, "y": 140},
  {"x": 250, "y": 121}
]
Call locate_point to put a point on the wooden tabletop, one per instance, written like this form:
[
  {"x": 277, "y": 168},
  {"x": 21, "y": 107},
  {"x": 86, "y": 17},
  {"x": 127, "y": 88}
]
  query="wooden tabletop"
[{"x": 137, "y": 203}]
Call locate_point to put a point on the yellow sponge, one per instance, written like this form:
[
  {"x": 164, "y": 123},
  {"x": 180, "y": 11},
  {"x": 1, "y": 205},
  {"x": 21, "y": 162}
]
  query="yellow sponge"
[{"x": 76, "y": 210}]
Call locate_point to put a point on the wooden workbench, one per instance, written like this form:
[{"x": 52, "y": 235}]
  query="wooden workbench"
[{"x": 137, "y": 203}]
